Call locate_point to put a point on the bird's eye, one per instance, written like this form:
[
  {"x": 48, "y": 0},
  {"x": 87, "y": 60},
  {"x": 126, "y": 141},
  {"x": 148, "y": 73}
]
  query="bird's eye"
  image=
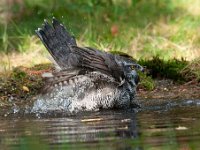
[{"x": 133, "y": 67}]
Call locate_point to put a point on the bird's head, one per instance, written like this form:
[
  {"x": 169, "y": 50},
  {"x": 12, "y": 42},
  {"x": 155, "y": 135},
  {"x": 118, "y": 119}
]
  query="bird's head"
[
  {"x": 130, "y": 68},
  {"x": 130, "y": 73}
]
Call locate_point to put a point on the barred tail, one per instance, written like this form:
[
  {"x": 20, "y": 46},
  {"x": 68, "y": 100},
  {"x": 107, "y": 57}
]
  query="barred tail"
[{"x": 57, "y": 41}]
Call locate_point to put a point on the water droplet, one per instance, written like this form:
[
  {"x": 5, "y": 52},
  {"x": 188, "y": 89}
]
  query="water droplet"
[
  {"x": 38, "y": 115},
  {"x": 16, "y": 109}
]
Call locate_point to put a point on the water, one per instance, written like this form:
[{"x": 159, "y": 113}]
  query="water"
[{"x": 159, "y": 125}]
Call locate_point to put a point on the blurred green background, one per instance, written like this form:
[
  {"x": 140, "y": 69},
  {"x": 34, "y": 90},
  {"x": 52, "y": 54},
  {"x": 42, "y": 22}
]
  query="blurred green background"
[{"x": 142, "y": 28}]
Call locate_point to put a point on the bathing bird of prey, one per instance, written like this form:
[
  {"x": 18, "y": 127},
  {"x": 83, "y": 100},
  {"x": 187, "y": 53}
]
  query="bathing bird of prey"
[{"x": 86, "y": 77}]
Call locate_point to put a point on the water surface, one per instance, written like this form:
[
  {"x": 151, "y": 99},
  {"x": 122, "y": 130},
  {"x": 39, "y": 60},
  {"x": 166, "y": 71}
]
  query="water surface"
[{"x": 166, "y": 125}]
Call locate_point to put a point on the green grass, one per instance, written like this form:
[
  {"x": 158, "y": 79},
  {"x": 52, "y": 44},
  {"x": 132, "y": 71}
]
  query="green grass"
[
  {"x": 191, "y": 72},
  {"x": 145, "y": 28}
]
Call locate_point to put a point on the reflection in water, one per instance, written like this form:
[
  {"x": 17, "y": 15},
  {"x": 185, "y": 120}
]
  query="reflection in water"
[
  {"x": 88, "y": 129},
  {"x": 177, "y": 127}
]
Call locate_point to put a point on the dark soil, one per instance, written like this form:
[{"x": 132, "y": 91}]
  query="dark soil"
[{"x": 168, "y": 89}]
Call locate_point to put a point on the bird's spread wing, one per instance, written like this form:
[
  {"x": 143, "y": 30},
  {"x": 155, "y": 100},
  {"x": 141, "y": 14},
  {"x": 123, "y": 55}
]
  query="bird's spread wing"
[
  {"x": 65, "y": 77},
  {"x": 63, "y": 48},
  {"x": 58, "y": 79},
  {"x": 98, "y": 61}
]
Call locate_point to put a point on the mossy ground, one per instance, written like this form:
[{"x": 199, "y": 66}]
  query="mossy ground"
[
  {"x": 22, "y": 84},
  {"x": 171, "y": 79}
]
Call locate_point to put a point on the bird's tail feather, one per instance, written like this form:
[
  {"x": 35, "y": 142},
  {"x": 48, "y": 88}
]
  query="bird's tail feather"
[{"x": 57, "y": 41}]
